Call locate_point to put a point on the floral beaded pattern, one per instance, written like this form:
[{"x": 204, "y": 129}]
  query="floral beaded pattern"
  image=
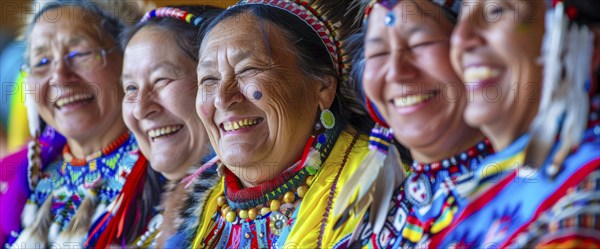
[
  {"x": 67, "y": 185},
  {"x": 426, "y": 202}
]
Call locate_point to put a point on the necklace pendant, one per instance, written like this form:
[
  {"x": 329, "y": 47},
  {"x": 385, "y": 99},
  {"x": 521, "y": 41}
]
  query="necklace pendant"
[
  {"x": 390, "y": 19},
  {"x": 418, "y": 189},
  {"x": 278, "y": 222}
]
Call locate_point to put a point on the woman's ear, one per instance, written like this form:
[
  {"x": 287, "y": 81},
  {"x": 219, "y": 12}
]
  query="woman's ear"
[{"x": 327, "y": 90}]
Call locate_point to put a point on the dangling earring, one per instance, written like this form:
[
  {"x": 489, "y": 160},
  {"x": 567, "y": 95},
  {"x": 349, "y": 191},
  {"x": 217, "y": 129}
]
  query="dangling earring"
[{"x": 327, "y": 119}]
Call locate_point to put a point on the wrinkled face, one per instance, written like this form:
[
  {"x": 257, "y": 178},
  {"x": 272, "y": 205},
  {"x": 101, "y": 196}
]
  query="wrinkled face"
[
  {"x": 79, "y": 102},
  {"x": 494, "y": 49},
  {"x": 258, "y": 108},
  {"x": 159, "y": 81},
  {"x": 408, "y": 74}
]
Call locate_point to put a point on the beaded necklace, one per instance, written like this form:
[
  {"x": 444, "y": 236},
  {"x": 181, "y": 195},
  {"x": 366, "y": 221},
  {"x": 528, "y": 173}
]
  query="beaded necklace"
[
  {"x": 271, "y": 204},
  {"x": 241, "y": 199},
  {"x": 483, "y": 147},
  {"x": 429, "y": 198},
  {"x": 69, "y": 158},
  {"x": 67, "y": 182}
]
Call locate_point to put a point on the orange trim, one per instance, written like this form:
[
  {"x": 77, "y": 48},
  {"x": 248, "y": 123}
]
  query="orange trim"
[{"x": 105, "y": 151}]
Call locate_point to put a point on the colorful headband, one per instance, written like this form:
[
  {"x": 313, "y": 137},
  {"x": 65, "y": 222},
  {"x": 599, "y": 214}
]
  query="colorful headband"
[
  {"x": 171, "y": 12},
  {"x": 317, "y": 22}
]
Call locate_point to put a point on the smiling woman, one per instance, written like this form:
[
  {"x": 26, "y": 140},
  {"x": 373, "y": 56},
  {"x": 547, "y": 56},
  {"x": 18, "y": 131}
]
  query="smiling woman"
[
  {"x": 73, "y": 63},
  {"x": 274, "y": 99},
  {"x": 540, "y": 190},
  {"x": 159, "y": 81},
  {"x": 408, "y": 78}
]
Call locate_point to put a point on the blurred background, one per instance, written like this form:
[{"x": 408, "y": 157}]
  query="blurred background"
[{"x": 15, "y": 15}]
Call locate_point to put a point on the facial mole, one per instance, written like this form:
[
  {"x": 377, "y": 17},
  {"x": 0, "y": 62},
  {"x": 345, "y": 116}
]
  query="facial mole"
[{"x": 257, "y": 95}]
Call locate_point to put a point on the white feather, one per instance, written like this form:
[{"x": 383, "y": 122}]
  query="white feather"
[
  {"x": 29, "y": 239},
  {"x": 29, "y": 213},
  {"x": 391, "y": 176},
  {"x": 53, "y": 232},
  {"x": 100, "y": 210},
  {"x": 360, "y": 182},
  {"x": 564, "y": 103}
]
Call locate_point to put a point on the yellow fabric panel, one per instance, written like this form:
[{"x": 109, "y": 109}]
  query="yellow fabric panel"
[
  {"x": 210, "y": 209},
  {"x": 305, "y": 232},
  {"x": 18, "y": 129}
]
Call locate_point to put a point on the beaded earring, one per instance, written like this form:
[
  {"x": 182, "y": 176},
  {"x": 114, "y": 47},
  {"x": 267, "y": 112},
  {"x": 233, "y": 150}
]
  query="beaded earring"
[{"x": 327, "y": 119}]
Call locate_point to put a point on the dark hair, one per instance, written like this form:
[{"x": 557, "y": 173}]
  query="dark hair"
[
  {"x": 312, "y": 56},
  {"x": 106, "y": 21},
  {"x": 186, "y": 35}
]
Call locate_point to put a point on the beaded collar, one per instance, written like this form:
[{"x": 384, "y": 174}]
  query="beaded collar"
[
  {"x": 481, "y": 149},
  {"x": 69, "y": 158},
  {"x": 240, "y": 200}
]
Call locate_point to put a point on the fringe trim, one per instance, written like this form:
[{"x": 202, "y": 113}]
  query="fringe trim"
[{"x": 183, "y": 206}]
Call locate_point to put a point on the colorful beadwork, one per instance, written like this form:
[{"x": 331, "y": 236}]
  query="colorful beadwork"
[
  {"x": 237, "y": 217},
  {"x": 522, "y": 206},
  {"x": 173, "y": 13},
  {"x": 427, "y": 200},
  {"x": 66, "y": 184}
]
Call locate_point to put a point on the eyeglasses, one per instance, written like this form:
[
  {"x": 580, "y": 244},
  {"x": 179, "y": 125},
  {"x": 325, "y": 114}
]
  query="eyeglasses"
[{"x": 82, "y": 61}]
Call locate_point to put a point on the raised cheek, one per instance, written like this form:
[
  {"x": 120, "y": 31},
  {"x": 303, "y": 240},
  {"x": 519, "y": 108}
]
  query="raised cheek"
[
  {"x": 371, "y": 83},
  {"x": 205, "y": 111}
]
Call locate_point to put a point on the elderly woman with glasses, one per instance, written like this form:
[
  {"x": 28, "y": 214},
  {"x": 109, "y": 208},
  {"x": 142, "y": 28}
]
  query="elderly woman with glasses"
[{"x": 73, "y": 66}]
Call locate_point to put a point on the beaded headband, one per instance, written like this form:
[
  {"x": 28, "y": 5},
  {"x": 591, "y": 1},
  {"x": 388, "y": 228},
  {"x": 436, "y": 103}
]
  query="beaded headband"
[
  {"x": 317, "y": 22},
  {"x": 172, "y": 13}
]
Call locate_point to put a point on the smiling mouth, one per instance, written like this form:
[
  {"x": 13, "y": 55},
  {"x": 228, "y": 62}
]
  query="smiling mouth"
[
  {"x": 412, "y": 100},
  {"x": 60, "y": 103},
  {"x": 163, "y": 131},
  {"x": 236, "y": 125},
  {"x": 480, "y": 73}
]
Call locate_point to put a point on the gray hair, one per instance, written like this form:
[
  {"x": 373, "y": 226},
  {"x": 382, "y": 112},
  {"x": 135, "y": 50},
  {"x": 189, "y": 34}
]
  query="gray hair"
[{"x": 105, "y": 14}]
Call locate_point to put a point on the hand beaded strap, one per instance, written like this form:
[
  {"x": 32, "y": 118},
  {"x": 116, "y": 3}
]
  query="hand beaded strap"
[
  {"x": 172, "y": 13},
  {"x": 325, "y": 30}
]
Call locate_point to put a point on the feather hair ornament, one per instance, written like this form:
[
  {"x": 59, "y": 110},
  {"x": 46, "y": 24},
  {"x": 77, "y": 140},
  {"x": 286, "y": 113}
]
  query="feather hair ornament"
[
  {"x": 567, "y": 50},
  {"x": 79, "y": 225},
  {"x": 372, "y": 181},
  {"x": 36, "y": 235},
  {"x": 34, "y": 160}
]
